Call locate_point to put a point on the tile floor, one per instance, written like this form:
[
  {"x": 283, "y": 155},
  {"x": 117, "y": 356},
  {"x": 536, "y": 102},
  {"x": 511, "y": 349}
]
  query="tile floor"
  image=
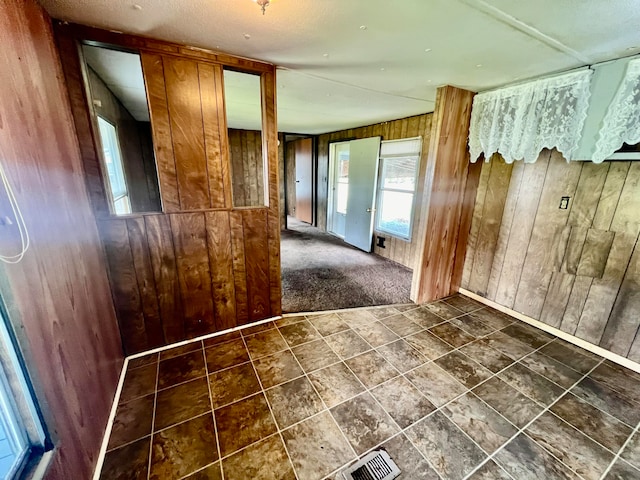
[{"x": 451, "y": 390}]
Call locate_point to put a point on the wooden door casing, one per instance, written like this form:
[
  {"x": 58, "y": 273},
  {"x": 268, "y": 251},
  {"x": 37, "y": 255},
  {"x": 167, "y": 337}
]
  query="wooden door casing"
[{"x": 304, "y": 179}]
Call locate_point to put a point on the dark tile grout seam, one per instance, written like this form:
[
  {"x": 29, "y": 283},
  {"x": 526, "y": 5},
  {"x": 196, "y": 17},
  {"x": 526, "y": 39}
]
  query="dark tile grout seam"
[{"x": 367, "y": 390}]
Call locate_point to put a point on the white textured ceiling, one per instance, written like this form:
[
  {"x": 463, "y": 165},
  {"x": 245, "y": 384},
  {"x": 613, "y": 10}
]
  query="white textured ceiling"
[{"x": 333, "y": 74}]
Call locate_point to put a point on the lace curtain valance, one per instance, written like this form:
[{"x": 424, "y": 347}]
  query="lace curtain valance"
[
  {"x": 520, "y": 121},
  {"x": 621, "y": 123}
]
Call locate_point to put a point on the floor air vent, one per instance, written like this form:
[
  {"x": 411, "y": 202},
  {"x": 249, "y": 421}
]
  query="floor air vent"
[{"x": 375, "y": 466}]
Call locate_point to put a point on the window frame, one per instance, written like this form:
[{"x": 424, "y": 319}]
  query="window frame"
[
  {"x": 113, "y": 199},
  {"x": 381, "y": 189}
]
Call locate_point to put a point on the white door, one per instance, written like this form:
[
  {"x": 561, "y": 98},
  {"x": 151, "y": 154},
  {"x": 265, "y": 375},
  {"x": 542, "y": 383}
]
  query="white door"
[{"x": 363, "y": 174}]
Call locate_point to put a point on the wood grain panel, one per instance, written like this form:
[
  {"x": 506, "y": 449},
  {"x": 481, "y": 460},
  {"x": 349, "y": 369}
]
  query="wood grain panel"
[
  {"x": 165, "y": 273},
  {"x": 256, "y": 263},
  {"x": 154, "y": 80},
  {"x": 185, "y": 116},
  {"x": 595, "y": 253},
  {"x": 575, "y": 304},
  {"x": 611, "y": 191},
  {"x": 588, "y": 193},
  {"x": 556, "y": 299},
  {"x": 573, "y": 249},
  {"x": 626, "y": 216},
  {"x": 236, "y": 224},
  {"x": 221, "y": 261},
  {"x": 247, "y": 166}
]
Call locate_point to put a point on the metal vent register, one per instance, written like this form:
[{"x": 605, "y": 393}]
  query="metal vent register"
[{"x": 375, "y": 466}]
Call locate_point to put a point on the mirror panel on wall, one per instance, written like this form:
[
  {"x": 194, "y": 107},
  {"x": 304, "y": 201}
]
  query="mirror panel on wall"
[
  {"x": 244, "y": 123},
  {"x": 118, "y": 99}
]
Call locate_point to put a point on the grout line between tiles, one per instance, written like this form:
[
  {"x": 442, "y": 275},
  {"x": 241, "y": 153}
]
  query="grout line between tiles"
[
  {"x": 213, "y": 413},
  {"x": 153, "y": 420},
  {"x": 617, "y": 455}
]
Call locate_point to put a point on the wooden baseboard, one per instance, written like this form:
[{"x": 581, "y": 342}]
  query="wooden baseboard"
[{"x": 625, "y": 362}]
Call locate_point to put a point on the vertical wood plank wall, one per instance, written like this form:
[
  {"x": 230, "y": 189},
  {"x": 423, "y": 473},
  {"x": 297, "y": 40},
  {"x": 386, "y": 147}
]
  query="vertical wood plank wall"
[
  {"x": 396, "y": 249},
  {"x": 204, "y": 265},
  {"x": 247, "y": 166},
  {"x": 576, "y": 269},
  {"x": 58, "y": 296}
]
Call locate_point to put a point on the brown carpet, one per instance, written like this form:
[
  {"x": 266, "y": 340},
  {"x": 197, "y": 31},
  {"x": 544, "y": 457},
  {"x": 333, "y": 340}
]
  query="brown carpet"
[{"x": 321, "y": 272}]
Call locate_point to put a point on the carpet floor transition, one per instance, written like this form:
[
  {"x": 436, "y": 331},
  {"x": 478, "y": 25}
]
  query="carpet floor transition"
[{"x": 321, "y": 272}]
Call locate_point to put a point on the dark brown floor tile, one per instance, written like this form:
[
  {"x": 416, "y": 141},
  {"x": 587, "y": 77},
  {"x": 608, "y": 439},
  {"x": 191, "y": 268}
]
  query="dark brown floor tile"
[
  {"x": 243, "y": 423},
  {"x": 603, "y": 428},
  {"x": 181, "y": 369},
  {"x": 184, "y": 448},
  {"x": 483, "y": 424},
  {"x": 265, "y": 460},
  {"x": 375, "y": 333},
  {"x": 490, "y": 471},
  {"x": 621, "y": 470},
  {"x": 528, "y": 335},
  {"x": 177, "y": 351},
  {"x": 142, "y": 361},
  {"x": 299, "y": 333},
  {"x": 356, "y": 317},
  {"x": 493, "y": 318},
  {"x": 569, "y": 356},
  {"x": 347, "y": 344},
  {"x": 405, "y": 307},
  {"x": 364, "y": 422},
  {"x": 212, "y": 472},
  {"x": 139, "y": 382},
  {"x": 277, "y": 368},
  {"x": 436, "y": 384},
  {"x": 265, "y": 343},
  {"x": 524, "y": 459},
  {"x": 289, "y": 320},
  {"x": 507, "y": 345},
  {"x": 230, "y": 385},
  {"x": 401, "y": 325},
  {"x": 631, "y": 452},
  {"x": 218, "y": 339},
  {"x": 451, "y": 334},
  {"x": 412, "y": 465},
  {"x": 328, "y": 324},
  {"x": 608, "y": 400},
  {"x": 428, "y": 344},
  {"x": 463, "y": 369},
  {"x": 315, "y": 355},
  {"x": 371, "y": 368},
  {"x": 226, "y": 355},
  {"x": 402, "y": 356},
  {"x": 383, "y": 312},
  {"x": 552, "y": 369},
  {"x": 511, "y": 404},
  {"x": 132, "y": 421},
  {"x": 486, "y": 356},
  {"x": 317, "y": 447},
  {"x": 443, "y": 310},
  {"x": 402, "y": 401},
  {"x": 463, "y": 303},
  {"x": 531, "y": 384},
  {"x": 577, "y": 451},
  {"x": 472, "y": 326},
  {"x": 450, "y": 452},
  {"x": 335, "y": 384},
  {"x": 293, "y": 401},
  {"x": 127, "y": 463},
  {"x": 247, "y": 331},
  {"x": 424, "y": 317},
  {"x": 179, "y": 403},
  {"x": 618, "y": 378}
]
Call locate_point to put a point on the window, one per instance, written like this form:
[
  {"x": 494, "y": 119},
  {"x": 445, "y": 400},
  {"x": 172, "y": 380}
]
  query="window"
[
  {"x": 342, "y": 177},
  {"x": 115, "y": 170},
  {"x": 399, "y": 161}
]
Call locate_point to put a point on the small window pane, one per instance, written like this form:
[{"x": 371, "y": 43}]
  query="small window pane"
[
  {"x": 399, "y": 173},
  {"x": 342, "y": 184},
  {"x": 113, "y": 164},
  {"x": 395, "y": 212}
]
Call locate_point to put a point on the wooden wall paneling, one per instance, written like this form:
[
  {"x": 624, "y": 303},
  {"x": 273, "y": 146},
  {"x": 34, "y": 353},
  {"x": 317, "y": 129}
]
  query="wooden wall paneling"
[
  {"x": 124, "y": 284},
  {"x": 165, "y": 272},
  {"x": 238, "y": 180},
  {"x": 146, "y": 283},
  {"x": 247, "y": 165},
  {"x": 610, "y": 194},
  {"x": 626, "y": 217},
  {"x": 622, "y": 327},
  {"x": 588, "y": 193},
  {"x": 603, "y": 292},
  {"x": 556, "y": 298},
  {"x": 442, "y": 202},
  {"x": 520, "y": 231},
  {"x": 290, "y": 162},
  {"x": 573, "y": 250},
  {"x": 282, "y": 179},
  {"x": 575, "y": 304},
  {"x": 210, "y": 77},
  {"x": 257, "y": 263},
  {"x": 221, "y": 262},
  {"x": 595, "y": 253},
  {"x": 153, "y": 71},
  {"x": 192, "y": 259},
  {"x": 236, "y": 224},
  {"x": 493, "y": 201},
  {"x": 547, "y": 231},
  {"x": 185, "y": 116},
  {"x": 424, "y": 129}
]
